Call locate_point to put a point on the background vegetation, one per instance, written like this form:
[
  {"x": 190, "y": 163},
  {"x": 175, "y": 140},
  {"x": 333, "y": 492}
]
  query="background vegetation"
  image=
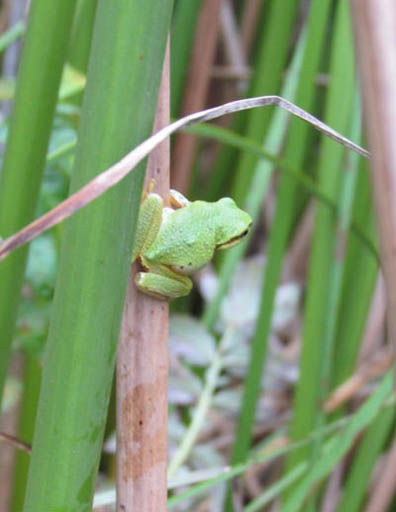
[{"x": 278, "y": 393}]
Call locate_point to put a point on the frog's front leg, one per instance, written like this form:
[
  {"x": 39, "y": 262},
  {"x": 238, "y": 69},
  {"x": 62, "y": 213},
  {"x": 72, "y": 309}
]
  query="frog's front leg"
[
  {"x": 149, "y": 223},
  {"x": 162, "y": 283}
]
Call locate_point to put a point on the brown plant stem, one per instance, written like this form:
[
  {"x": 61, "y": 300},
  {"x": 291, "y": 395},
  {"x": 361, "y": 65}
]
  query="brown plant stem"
[
  {"x": 142, "y": 368},
  {"x": 250, "y": 19},
  {"x": 332, "y": 492},
  {"x": 375, "y": 29},
  {"x": 374, "y": 334},
  {"x": 234, "y": 54},
  {"x": 367, "y": 372},
  {"x": 295, "y": 267},
  {"x": 196, "y": 90}
]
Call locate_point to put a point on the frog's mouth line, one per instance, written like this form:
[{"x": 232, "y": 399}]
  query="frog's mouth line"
[{"x": 234, "y": 240}]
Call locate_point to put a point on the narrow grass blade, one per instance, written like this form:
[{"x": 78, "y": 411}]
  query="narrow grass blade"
[
  {"x": 337, "y": 268},
  {"x": 338, "y": 111},
  {"x": 253, "y": 203},
  {"x": 182, "y": 37},
  {"x": 336, "y": 273},
  {"x": 360, "y": 274},
  {"x": 271, "y": 59},
  {"x": 39, "y": 76},
  {"x": 81, "y": 37},
  {"x": 300, "y": 139}
]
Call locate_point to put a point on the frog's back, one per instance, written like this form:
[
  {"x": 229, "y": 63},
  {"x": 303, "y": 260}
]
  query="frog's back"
[{"x": 186, "y": 240}]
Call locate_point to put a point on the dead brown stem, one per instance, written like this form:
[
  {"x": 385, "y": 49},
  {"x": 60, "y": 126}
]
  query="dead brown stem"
[
  {"x": 368, "y": 371},
  {"x": 250, "y": 20},
  {"x": 297, "y": 258},
  {"x": 384, "y": 490},
  {"x": 375, "y": 29},
  {"x": 199, "y": 74},
  {"x": 142, "y": 368},
  {"x": 230, "y": 35},
  {"x": 375, "y": 24},
  {"x": 374, "y": 333},
  {"x": 333, "y": 489}
]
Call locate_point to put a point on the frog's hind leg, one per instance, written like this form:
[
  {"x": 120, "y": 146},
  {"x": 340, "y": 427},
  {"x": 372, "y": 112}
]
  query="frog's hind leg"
[
  {"x": 149, "y": 223},
  {"x": 162, "y": 283}
]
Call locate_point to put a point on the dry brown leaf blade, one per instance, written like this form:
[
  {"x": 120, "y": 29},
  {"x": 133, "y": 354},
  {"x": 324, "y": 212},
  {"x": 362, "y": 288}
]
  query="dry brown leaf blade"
[{"x": 114, "y": 174}]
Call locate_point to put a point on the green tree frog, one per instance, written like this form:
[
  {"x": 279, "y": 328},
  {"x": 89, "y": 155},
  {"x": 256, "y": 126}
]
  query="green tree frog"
[{"x": 173, "y": 243}]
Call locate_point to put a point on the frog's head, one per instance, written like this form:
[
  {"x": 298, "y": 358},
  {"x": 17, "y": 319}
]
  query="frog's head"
[{"x": 233, "y": 224}]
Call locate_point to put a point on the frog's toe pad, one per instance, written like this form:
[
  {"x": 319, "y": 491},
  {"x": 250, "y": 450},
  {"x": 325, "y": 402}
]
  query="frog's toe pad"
[{"x": 162, "y": 287}]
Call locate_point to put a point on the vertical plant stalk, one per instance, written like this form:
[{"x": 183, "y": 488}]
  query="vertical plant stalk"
[
  {"x": 359, "y": 274},
  {"x": 81, "y": 37},
  {"x": 196, "y": 89},
  {"x": 376, "y": 40},
  {"x": 375, "y": 24},
  {"x": 142, "y": 367},
  {"x": 184, "y": 20},
  {"x": 375, "y": 321},
  {"x": 234, "y": 55},
  {"x": 233, "y": 50},
  {"x": 261, "y": 179},
  {"x": 272, "y": 53},
  {"x": 316, "y": 315},
  {"x": 39, "y": 76},
  {"x": 250, "y": 19},
  {"x": 296, "y": 261},
  {"x": 331, "y": 495}
]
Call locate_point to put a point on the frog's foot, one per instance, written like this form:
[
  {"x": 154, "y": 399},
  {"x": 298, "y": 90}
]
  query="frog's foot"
[
  {"x": 149, "y": 223},
  {"x": 150, "y": 188},
  {"x": 177, "y": 200},
  {"x": 163, "y": 285}
]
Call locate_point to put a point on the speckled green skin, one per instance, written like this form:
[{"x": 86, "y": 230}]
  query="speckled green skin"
[{"x": 174, "y": 243}]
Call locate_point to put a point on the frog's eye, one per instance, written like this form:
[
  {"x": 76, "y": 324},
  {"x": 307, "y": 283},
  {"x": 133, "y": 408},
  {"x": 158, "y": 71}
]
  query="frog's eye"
[{"x": 233, "y": 241}]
